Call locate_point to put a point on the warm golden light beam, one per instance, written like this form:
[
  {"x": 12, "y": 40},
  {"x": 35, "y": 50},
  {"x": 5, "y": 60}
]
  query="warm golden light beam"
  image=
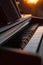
[{"x": 31, "y": 1}]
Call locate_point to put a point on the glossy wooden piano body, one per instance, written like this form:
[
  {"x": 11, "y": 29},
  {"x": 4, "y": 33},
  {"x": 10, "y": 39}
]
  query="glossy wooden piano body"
[
  {"x": 29, "y": 55},
  {"x": 11, "y": 35}
]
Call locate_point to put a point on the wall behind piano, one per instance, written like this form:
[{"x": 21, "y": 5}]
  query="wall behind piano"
[
  {"x": 36, "y": 10},
  {"x": 40, "y": 8}
]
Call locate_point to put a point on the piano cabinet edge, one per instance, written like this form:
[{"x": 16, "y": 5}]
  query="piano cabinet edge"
[
  {"x": 37, "y": 19},
  {"x": 17, "y": 56}
]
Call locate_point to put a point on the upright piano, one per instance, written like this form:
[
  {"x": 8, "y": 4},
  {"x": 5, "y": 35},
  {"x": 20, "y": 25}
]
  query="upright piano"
[{"x": 21, "y": 36}]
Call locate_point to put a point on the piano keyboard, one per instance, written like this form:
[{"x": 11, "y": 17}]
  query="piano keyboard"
[
  {"x": 27, "y": 35},
  {"x": 34, "y": 43},
  {"x": 24, "y": 37}
]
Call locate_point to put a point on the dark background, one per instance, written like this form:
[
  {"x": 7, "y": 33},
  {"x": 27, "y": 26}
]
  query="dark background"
[{"x": 36, "y": 10}]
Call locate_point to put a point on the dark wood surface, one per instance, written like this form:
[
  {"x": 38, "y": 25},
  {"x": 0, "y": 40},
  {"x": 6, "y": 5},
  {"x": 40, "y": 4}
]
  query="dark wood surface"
[{"x": 18, "y": 57}]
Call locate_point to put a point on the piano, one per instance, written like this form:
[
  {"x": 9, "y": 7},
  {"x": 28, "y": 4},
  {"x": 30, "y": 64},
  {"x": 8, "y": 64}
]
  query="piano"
[{"x": 21, "y": 36}]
